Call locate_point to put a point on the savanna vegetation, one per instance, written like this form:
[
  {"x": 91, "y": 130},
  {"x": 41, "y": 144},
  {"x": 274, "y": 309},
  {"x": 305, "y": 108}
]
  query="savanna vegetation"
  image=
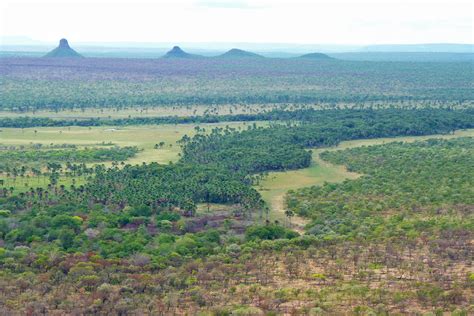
[
  {"x": 283, "y": 113},
  {"x": 140, "y": 219},
  {"x": 406, "y": 191},
  {"x": 195, "y": 236},
  {"x": 30, "y": 84}
]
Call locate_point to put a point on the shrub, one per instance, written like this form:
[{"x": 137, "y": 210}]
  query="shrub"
[
  {"x": 269, "y": 232},
  {"x": 5, "y": 213}
]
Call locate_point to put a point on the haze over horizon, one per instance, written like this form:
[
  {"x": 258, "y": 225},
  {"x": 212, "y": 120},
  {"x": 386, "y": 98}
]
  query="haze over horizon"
[{"x": 237, "y": 21}]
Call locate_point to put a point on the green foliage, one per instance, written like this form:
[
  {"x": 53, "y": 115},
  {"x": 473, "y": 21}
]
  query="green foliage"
[
  {"x": 64, "y": 220},
  {"x": 169, "y": 216},
  {"x": 5, "y": 213},
  {"x": 406, "y": 189},
  {"x": 141, "y": 210},
  {"x": 269, "y": 232},
  {"x": 126, "y": 233},
  {"x": 66, "y": 238},
  {"x": 281, "y": 147},
  {"x": 161, "y": 186}
]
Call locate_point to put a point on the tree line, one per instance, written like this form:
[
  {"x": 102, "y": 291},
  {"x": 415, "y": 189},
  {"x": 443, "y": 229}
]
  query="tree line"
[{"x": 324, "y": 116}]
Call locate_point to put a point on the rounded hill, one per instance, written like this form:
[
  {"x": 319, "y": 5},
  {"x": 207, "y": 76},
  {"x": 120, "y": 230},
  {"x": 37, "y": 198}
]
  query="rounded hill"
[
  {"x": 239, "y": 53},
  {"x": 316, "y": 56}
]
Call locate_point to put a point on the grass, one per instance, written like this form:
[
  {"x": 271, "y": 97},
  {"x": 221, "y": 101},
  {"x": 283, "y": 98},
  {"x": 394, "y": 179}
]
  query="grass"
[
  {"x": 274, "y": 187},
  {"x": 144, "y": 137},
  {"x": 23, "y": 184}
]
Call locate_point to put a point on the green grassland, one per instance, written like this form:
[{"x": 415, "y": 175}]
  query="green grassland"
[{"x": 144, "y": 137}]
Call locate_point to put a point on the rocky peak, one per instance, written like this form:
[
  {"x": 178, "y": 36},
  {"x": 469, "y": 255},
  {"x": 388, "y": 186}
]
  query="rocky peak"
[{"x": 63, "y": 43}]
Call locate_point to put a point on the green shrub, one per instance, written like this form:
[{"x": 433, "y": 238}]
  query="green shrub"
[{"x": 269, "y": 232}]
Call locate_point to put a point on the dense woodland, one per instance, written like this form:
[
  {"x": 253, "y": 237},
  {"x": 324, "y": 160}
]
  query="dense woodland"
[
  {"x": 283, "y": 146},
  {"x": 146, "y": 239},
  {"x": 29, "y": 84},
  {"x": 407, "y": 190}
]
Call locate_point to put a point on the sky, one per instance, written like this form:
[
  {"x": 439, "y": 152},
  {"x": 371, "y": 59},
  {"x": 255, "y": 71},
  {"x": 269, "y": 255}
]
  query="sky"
[{"x": 259, "y": 21}]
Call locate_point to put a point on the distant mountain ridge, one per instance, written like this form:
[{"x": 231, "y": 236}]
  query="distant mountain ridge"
[{"x": 63, "y": 50}]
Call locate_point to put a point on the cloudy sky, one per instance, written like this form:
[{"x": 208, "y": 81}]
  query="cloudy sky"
[{"x": 264, "y": 21}]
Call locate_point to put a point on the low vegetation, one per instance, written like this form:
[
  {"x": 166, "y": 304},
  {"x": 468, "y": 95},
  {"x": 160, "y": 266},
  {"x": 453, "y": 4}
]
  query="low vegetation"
[{"x": 194, "y": 236}]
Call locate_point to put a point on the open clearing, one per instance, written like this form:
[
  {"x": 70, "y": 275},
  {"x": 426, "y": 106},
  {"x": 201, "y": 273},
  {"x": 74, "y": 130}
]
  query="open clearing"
[
  {"x": 275, "y": 186},
  {"x": 144, "y": 137}
]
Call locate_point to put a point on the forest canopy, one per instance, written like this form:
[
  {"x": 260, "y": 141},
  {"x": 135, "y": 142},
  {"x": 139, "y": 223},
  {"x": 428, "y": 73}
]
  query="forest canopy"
[{"x": 30, "y": 84}]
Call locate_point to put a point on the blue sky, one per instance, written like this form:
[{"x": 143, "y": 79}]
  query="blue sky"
[{"x": 259, "y": 21}]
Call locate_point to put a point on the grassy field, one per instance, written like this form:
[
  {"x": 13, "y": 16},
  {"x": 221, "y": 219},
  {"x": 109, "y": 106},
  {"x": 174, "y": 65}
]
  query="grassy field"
[
  {"x": 275, "y": 186},
  {"x": 144, "y": 137}
]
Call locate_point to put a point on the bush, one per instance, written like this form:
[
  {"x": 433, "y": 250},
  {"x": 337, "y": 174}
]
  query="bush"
[
  {"x": 142, "y": 210},
  {"x": 168, "y": 216},
  {"x": 269, "y": 232},
  {"x": 5, "y": 213}
]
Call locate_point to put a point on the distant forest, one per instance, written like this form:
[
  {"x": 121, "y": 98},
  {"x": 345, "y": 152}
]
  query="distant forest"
[
  {"x": 301, "y": 115},
  {"x": 30, "y": 84}
]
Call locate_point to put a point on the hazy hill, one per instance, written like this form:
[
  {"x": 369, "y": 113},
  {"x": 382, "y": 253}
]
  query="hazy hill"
[
  {"x": 63, "y": 50},
  {"x": 239, "y": 53},
  {"x": 177, "y": 52},
  {"x": 316, "y": 56}
]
